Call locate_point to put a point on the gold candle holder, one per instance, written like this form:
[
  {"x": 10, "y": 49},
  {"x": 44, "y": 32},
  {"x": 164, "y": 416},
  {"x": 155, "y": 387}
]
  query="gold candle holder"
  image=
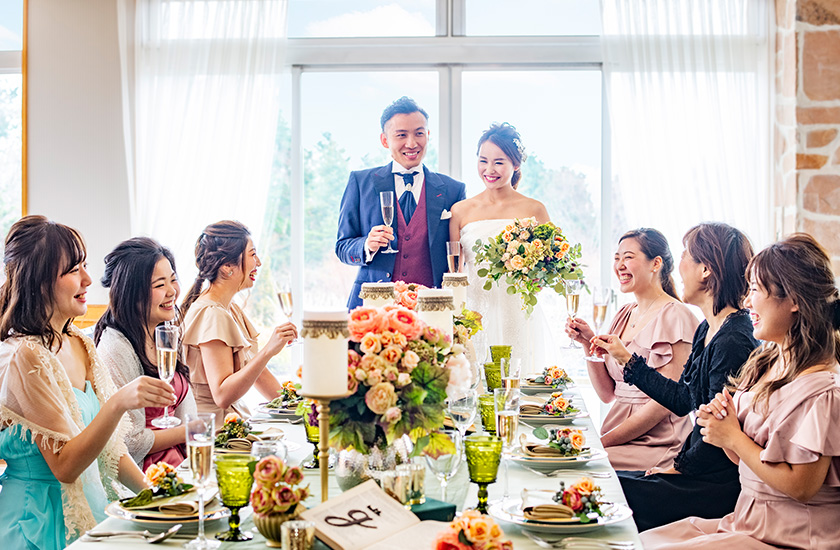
[{"x": 322, "y": 404}]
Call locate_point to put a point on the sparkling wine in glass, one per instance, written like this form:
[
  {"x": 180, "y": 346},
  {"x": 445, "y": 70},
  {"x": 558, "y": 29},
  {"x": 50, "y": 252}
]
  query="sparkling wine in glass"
[
  {"x": 453, "y": 255},
  {"x": 386, "y": 202},
  {"x": 573, "y": 289},
  {"x": 445, "y": 463},
  {"x": 284, "y": 295},
  {"x": 200, "y": 436},
  {"x": 507, "y": 423},
  {"x": 511, "y": 368},
  {"x": 166, "y": 342},
  {"x": 601, "y": 297}
]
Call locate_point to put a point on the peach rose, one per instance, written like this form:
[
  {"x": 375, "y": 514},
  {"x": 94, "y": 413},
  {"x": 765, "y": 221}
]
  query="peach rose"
[
  {"x": 400, "y": 340},
  {"x": 386, "y": 338},
  {"x": 578, "y": 441},
  {"x": 391, "y": 373},
  {"x": 370, "y": 343},
  {"x": 513, "y": 247},
  {"x": 585, "y": 486},
  {"x": 381, "y": 397},
  {"x": 364, "y": 320},
  {"x": 517, "y": 262},
  {"x": 360, "y": 374},
  {"x": 391, "y": 354},
  {"x": 448, "y": 540},
  {"x": 523, "y": 235},
  {"x": 478, "y": 530},
  {"x": 231, "y": 418},
  {"x": 352, "y": 382},
  {"x": 410, "y": 360},
  {"x": 403, "y": 379},
  {"x": 408, "y": 299},
  {"x": 400, "y": 286},
  {"x": 405, "y": 321},
  {"x": 507, "y": 236},
  {"x": 392, "y": 415},
  {"x": 374, "y": 377}
]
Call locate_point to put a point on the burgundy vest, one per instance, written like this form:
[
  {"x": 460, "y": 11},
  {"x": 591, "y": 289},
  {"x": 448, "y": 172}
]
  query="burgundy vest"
[{"x": 413, "y": 263}]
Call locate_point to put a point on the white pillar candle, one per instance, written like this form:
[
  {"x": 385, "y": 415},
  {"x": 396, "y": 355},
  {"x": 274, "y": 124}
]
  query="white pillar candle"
[
  {"x": 457, "y": 283},
  {"x": 325, "y": 337},
  {"x": 434, "y": 307},
  {"x": 377, "y": 294}
]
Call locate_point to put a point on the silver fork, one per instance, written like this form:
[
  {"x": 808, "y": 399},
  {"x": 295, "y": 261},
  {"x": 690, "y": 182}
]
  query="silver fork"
[
  {"x": 581, "y": 543},
  {"x": 555, "y": 473}
]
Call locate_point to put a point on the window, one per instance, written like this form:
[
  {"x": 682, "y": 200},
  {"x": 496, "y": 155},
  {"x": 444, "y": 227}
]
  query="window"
[{"x": 11, "y": 113}]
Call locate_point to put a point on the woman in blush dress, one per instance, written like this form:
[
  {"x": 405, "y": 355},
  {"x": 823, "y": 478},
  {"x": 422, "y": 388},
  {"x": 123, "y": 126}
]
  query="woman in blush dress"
[
  {"x": 713, "y": 270},
  {"x": 220, "y": 342},
  {"x": 61, "y": 418},
  {"x": 780, "y": 426},
  {"x": 140, "y": 274},
  {"x": 639, "y": 433},
  {"x": 484, "y": 216}
]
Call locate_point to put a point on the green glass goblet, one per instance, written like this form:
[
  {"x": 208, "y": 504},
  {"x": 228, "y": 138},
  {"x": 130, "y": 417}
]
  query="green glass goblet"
[
  {"x": 235, "y": 479},
  {"x": 499, "y": 352},
  {"x": 493, "y": 376},
  {"x": 484, "y": 452},
  {"x": 313, "y": 435},
  {"x": 487, "y": 411}
]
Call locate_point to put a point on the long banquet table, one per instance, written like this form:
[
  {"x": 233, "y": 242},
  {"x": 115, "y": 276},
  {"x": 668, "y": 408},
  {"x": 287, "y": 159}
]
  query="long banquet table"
[{"x": 460, "y": 491}]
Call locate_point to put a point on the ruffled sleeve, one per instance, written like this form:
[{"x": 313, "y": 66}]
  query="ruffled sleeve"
[
  {"x": 207, "y": 321},
  {"x": 802, "y": 434},
  {"x": 674, "y": 324}
]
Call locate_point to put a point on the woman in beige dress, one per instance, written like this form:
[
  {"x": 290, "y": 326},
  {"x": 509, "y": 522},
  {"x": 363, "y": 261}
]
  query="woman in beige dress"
[
  {"x": 780, "y": 426},
  {"x": 639, "y": 433},
  {"x": 220, "y": 342}
]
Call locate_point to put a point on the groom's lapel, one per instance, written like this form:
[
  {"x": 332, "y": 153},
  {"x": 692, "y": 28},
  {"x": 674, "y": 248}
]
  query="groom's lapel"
[
  {"x": 435, "y": 202},
  {"x": 383, "y": 180}
]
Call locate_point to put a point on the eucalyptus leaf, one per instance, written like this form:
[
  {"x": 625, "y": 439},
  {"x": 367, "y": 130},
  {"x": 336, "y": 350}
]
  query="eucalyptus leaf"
[{"x": 540, "y": 433}]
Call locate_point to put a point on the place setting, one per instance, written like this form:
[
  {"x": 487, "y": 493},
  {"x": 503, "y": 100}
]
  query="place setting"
[
  {"x": 551, "y": 379},
  {"x": 559, "y": 407},
  {"x": 553, "y": 447}
]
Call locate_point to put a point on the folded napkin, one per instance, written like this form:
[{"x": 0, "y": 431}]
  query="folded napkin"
[
  {"x": 530, "y": 409},
  {"x": 536, "y": 449},
  {"x": 549, "y": 513},
  {"x": 243, "y": 444},
  {"x": 185, "y": 505}
]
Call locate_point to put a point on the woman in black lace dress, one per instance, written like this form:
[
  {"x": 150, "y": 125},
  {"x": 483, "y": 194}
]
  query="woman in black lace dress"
[{"x": 713, "y": 272}]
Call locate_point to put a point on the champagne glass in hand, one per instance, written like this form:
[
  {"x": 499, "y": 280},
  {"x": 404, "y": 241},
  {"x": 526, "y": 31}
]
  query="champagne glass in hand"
[
  {"x": 166, "y": 342},
  {"x": 287, "y": 305},
  {"x": 386, "y": 201},
  {"x": 573, "y": 289},
  {"x": 200, "y": 438},
  {"x": 601, "y": 297}
]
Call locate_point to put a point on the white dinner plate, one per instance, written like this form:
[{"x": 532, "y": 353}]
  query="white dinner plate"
[
  {"x": 540, "y": 419},
  {"x": 288, "y": 414},
  {"x": 214, "y": 510},
  {"x": 529, "y": 388},
  {"x": 555, "y": 462},
  {"x": 511, "y": 512}
]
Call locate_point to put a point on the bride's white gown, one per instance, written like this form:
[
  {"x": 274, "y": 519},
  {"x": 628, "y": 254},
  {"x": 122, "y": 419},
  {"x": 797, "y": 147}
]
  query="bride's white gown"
[{"x": 504, "y": 320}]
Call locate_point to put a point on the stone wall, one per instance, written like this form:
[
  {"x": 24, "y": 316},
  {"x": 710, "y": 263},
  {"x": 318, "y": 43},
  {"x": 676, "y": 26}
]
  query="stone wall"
[{"x": 808, "y": 72}]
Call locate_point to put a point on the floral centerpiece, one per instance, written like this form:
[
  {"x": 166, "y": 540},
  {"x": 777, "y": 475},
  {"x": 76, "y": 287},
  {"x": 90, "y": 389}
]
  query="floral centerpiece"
[
  {"x": 277, "y": 496},
  {"x": 583, "y": 497},
  {"x": 405, "y": 294},
  {"x": 554, "y": 376},
  {"x": 472, "y": 530},
  {"x": 569, "y": 441},
  {"x": 529, "y": 256},
  {"x": 233, "y": 428},
  {"x": 559, "y": 405},
  {"x": 399, "y": 373},
  {"x": 164, "y": 482}
]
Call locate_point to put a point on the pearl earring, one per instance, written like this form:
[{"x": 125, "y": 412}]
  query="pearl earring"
[{"x": 230, "y": 273}]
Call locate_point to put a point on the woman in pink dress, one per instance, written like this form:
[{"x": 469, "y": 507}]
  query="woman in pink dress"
[
  {"x": 780, "y": 426},
  {"x": 639, "y": 433}
]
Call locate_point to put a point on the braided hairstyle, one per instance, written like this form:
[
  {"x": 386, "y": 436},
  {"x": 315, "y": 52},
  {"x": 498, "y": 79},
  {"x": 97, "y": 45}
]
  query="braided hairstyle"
[
  {"x": 653, "y": 243},
  {"x": 505, "y": 137},
  {"x": 221, "y": 243}
]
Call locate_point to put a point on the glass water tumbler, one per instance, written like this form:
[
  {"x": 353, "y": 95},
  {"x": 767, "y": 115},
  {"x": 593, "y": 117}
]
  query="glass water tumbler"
[
  {"x": 493, "y": 376},
  {"x": 487, "y": 411},
  {"x": 498, "y": 352},
  {"x": 484, "y": 452}
]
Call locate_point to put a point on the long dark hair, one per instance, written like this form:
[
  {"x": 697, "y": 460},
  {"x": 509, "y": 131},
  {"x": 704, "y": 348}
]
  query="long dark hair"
[
  {"x": 800, "y": 269},
  {"x": 37, "y": 253},
  {"x": 221, "y": 243},
  {"x": 128, "y": 275},
  {"x": 507, "y": 138},
  {"x": 726, "y": 252},
  {"x": 653, "y": 243}
]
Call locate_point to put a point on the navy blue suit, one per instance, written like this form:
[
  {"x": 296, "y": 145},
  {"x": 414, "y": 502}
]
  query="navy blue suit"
[{"x": 360, "y": 212}]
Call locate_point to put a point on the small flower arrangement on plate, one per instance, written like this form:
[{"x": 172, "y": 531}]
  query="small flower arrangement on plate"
[
  {"x": 559, "y": 405},
  {"x": 233, "y": 428},
  {"x": 583, "y": 497},
  {"x": 287, "y": 396},
  {"x": 276, "y": 487},
  {"x": 555, "y": 377},
  {"x": 472, "y": 531},
  {"x": 164, "y": 481},
  {"x": 569, "y": 441},
  {"x": 529, "y": 256}
]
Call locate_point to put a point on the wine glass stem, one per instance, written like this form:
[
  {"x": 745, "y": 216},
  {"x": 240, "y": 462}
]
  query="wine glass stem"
[
  {"x": 166, "y": 413},
  {"x": 201, "y": 513},
  {"x": 482, "y": 498},
  {"x": 506, "y": 492},
  {"x": 443, "y": 490}
]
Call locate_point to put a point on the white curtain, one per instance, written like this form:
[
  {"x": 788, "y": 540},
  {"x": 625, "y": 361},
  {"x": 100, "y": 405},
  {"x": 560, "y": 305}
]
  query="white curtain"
[
  {"x": 689, "y": 94},
  {"x": 205, "y": 87}
]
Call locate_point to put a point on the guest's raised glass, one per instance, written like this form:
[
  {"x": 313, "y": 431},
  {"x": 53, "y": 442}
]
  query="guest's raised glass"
[
  {"x": 166, "y": 342},
  {"x": 287, "y": 305},
  {"x": 386, "y": 202},
  {"x": 601, "y": 298},
  {"x": 572, "y": 289},
  {"x": 235, "y": 480},
  {"x": 483, "y": 455},
  {"x": 200, "y": 438}
]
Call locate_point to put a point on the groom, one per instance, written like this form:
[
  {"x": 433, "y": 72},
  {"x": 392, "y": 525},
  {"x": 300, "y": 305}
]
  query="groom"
[{"x": 422, "y": 200}]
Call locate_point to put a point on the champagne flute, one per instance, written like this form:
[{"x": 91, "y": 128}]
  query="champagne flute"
[
  {"x": 166, "y": 342},
  {"x": 386, "y": 202},
  {"x": 287, "y": 305},
  {"x": 453, "y": 255},
  {"x": 463, "y": 408},
  {"x": 445, "y": 464},
  {"x": 507, "y": 424},
  {"x": 601, "y": 297},
  {"x": 199, "y": 428},
  {"x": 510, "y": 369},
  {"x": 573, "y": 288}
]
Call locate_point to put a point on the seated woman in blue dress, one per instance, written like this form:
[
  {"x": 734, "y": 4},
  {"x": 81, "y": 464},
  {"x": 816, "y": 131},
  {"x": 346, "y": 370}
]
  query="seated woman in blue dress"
[{"x": 60, "y": 414}]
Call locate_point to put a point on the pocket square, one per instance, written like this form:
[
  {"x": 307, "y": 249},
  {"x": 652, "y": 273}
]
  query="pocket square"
[{"x": 446, "y": 214}]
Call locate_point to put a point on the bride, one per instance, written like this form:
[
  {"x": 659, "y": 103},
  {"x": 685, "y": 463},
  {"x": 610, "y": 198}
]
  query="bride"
[{"x": 484, "y": 216}]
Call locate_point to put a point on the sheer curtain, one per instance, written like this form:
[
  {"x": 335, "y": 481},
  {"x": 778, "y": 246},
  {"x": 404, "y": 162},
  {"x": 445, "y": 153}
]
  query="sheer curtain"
[
  {"x": 689, "y": 92},
  {"x": 205, "y": 87}
]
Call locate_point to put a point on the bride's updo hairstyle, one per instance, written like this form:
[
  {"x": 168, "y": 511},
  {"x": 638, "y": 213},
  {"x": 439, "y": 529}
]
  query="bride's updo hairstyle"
[
  {"x": 653, "y": 243},
  {"x": 221, "y": 243},
  {"x": 505, "y": 137},
  {"x": 800, "y": 269}
]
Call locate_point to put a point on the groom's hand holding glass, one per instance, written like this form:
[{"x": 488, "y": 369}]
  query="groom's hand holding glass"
[{"x": 379, "y": 236}]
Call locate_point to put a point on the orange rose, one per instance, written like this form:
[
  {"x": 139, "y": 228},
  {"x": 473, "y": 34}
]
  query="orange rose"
[
  {"x": 231, "y": 418},
  {"x": 392, "y": 354},
  {"x": 408, "y": 299},
  {"x": 364, "y": 320},
  {"x": 577, "y": 439},
  {"x": 585, "y": 486},
  {"x": 370, "y": 343},
  {"x": 479, "y": 530},
  {"x": 405, "y": 321},
  {"x": 400, "y": 286}
]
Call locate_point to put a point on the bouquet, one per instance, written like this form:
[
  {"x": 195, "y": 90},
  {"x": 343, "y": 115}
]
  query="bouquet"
[
  {"x": 583, "y": 497},
  {"x": 274, "y": 487},
  {"x": 569, "y": 441},
  {"x": 164, "y": 482},
  {"x": 233, "y": 428},
  {"x": 557, "y": 405},
  {"x": 399, "y": 373},
  {"x": 287, "y": 395},
  {"x": 554, "y": 376},
  {"x": 472, "y": 531},
  {"x": 530, "y": 257}
]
